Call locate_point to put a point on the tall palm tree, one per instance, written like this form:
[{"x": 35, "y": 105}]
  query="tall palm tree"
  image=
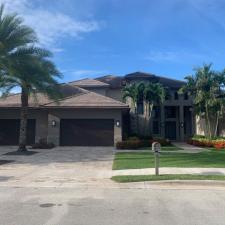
[
  {"x": 205, "y": 86},
  {"x": 154, "y": 93},
  {"x": 24, "y": 65},
  {"x": 131, "y": 91}
]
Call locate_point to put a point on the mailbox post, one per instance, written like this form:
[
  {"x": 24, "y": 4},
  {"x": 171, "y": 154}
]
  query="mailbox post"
[{"x": 156, "y": 149}]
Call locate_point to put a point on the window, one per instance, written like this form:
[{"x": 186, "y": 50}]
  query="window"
[
  {"x": 140, "y": 107},
  {"x": 176, "y": 97},
  {"x": 170, "y": 112},
  {"x": 156, "y": 112},
  {"x": 186, "y": 96},
  {"x": 155, "y": 127}
]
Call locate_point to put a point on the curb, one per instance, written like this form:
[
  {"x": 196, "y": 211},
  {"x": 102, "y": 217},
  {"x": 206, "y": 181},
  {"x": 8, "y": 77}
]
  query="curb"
[{"x": 175, "y": 184}]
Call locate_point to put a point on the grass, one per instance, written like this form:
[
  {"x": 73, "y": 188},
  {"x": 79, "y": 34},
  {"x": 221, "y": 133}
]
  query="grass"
[
  {"x": 139, "y": 178},
  {"x": 138, "y": 160}
]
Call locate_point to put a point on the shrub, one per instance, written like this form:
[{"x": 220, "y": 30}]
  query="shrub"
[
  {"x": 133, "y": 138},
  {"x": 137, "y": 143},
  {"x": 217, "y": 142},
  {"x": 129, "y": 144},
  {"x": 162, "y": 141},
  {"x": 42, "y": 144}
]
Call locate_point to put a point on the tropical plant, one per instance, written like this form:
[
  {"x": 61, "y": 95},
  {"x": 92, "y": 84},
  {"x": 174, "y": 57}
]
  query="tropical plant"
[
  {"x": 149, "y": 93},
  {"x": 154, "y": 93},
  {"x": 131, "y": 91},
  {"x": 206, "y": 87},
  {"x": 25, "y": 66}
]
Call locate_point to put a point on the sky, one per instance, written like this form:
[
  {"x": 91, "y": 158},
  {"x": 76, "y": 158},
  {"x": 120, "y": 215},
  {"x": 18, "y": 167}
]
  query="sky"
[{"x": 92, "y": 38}]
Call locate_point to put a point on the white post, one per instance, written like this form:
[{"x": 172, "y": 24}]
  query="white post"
[{"x": 156, "y": 148}]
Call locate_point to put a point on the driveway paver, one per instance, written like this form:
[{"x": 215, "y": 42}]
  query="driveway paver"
[{"x": 61, "y": 166}]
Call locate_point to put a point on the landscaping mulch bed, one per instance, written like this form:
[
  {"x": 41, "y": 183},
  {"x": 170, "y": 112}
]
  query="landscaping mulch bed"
[
  {"x": 3, "y": 162},
  {"x": 24, "y": 153}
]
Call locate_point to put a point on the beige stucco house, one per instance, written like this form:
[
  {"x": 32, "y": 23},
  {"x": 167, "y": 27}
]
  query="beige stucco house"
[{"x": 92, "y": 113}]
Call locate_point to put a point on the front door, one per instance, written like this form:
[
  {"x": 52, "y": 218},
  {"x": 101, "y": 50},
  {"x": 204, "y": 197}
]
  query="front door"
[{"x": 170, "y": 130}]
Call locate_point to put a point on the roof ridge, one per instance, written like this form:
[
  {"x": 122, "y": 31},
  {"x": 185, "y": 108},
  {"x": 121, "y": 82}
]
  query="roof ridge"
[{"x": 90, "y": 79}]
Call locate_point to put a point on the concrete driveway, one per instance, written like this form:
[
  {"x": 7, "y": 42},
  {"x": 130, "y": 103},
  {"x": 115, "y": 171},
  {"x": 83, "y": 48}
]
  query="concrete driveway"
[{"x": 61, "y": 166}]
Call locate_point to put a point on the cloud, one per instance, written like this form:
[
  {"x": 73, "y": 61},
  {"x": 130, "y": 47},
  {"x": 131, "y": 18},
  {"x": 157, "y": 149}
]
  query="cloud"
[
  {"x": 81, "y": 74},
  {"x": 84, "y": 73},
  {"x": 51, "y": 27},
  {"x": 172, "y": 56}
]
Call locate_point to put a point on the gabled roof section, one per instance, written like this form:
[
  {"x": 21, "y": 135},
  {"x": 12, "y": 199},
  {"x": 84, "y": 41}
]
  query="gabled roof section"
[
  {"x": 168, "y": 82},
  {"x": 35, "y": 101},
  {"x": 87, "y": 100},
  {"x": 139, "y": 75},
  {"x": 113, "y": 81},
  {"x": 89, "y": 83}
]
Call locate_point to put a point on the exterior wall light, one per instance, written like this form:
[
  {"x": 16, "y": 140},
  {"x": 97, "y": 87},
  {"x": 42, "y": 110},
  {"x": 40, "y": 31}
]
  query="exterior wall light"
[
  {"x": 53, "y": 123},
  {"x": 182, "y": 125},
  {"x": 118, "y": 123}
]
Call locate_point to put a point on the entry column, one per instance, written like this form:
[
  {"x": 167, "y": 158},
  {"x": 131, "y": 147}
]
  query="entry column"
[
  {"x": 162, "y": 120},
  {"x": 53, "y": 129},
  {"x": 181, "y": 124}
]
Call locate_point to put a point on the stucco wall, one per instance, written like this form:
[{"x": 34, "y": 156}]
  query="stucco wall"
[
  {"x": 57, "y": 114},
  {"x": 115, "y": 94}
]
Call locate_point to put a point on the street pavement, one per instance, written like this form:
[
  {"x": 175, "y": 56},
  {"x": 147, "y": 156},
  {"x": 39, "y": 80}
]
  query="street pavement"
[
  {"x": 96, "y": 206},
  {"x": 72, "y": 186}
]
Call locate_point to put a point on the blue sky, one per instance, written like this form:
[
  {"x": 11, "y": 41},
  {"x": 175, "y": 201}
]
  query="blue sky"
[{"x": 91, "y": 38}]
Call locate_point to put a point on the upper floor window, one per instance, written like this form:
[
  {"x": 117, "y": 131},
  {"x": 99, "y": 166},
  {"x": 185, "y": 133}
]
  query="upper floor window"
[
  {"x": 140, "y": 107},
  {"x": 176, "y": 96},
  {"x": 156, "y": 112},
  {"x": 186, "y": 96},
  {"x": 170, "y": 112}
]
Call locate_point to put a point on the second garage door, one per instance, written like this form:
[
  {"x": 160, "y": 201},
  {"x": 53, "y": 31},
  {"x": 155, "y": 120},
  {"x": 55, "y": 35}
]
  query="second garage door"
[
  {"x": 10, "y": 129},
  {"x": 87, "y": 132}
]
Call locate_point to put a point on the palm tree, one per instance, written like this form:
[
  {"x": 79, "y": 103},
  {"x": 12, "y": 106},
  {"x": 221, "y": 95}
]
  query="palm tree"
[
  {"x": 205, "y": 86},
  {"x": 150, "y": 93},
  {"x": 154, "y": 93},
  {"x": 25, "y": 66},
  {"x": 131, "y": 91}
]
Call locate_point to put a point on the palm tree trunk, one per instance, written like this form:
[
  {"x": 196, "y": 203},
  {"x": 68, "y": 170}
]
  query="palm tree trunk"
[
  {"x": 208, "y": 122},
  {"x": 217, "y": 123},
  {"x": 23, "y": 121}
]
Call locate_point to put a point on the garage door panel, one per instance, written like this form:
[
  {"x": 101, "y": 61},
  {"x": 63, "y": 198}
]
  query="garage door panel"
[
  {"x": 9, "y": 131},
  {"x": 87, "y": 132}
]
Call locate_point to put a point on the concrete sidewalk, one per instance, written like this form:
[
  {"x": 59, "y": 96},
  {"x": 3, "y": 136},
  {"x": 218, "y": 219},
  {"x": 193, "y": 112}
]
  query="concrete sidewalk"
[
  {"x": 188, "y": 148},
  {"x": 170, "y": 170}
]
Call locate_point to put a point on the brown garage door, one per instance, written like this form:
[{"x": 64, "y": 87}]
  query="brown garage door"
[
  {"x": 9, "y": 131},
  {"x": 86, "y": 132}
]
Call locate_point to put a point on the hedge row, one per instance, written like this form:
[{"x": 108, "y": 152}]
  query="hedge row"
[
  {"x": 206, "y": 142},
  {"x": 137, "y": 143}
]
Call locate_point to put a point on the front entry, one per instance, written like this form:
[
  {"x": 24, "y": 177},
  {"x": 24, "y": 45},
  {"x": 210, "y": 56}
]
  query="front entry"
[{"x": 170, "y": 130}]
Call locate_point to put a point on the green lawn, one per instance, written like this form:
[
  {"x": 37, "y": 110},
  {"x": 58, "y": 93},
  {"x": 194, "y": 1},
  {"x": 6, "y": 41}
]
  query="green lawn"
[
  {"x": 139, "y": 178},
  {"x": 137, "y": 160}
]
